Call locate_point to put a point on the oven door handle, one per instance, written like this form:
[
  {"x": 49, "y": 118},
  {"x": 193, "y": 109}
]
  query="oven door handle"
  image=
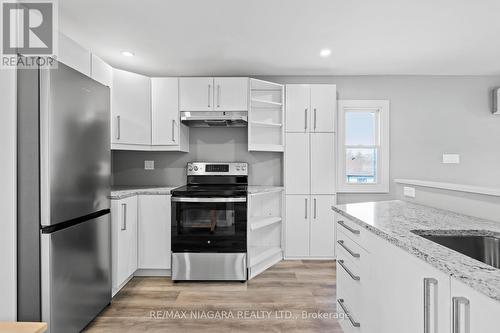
[{"x": 188, "y": 199}]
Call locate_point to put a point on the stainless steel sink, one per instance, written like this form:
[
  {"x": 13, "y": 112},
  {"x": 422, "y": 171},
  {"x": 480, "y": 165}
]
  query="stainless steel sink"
[{"x": 485, "y": 248}]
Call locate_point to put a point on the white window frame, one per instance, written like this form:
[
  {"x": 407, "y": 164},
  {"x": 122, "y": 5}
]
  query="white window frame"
[{"x": 383, "y": 146}]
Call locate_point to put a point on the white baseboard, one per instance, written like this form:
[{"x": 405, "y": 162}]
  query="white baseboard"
[{"x": 153, "y": 272}]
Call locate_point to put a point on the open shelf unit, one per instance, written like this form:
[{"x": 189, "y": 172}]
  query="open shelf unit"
[
  {"x": 265, "y": 230},
  {"x": 266, "y": 116}
]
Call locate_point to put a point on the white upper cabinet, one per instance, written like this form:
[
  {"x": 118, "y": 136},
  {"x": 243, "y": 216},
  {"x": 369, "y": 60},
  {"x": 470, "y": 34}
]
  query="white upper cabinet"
[
  {"x": 231, "y": 93},
  {"x": 209, "y": 94},
  {"x": 297, "y": 163},
  {"x": 322, "y": 163},
  {"x": 297, "y": 107},
  {"x": 130, "y": 109},
  {"x": 196, "y": 94},
  {"x": 311, "y": 108},
  {"x": 101, "y": 71},
  {"x": 74, "y": 55},
  {"x": 165, "y": 111},
  {"x": 323, "y": 107}
]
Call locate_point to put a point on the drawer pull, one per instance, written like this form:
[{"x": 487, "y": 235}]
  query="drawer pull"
[
  {"x": 351, "y": 274},
  {"x": 456, "y": 316},
  {"x": 354, "y": 231},
  {"x": 351, "y": 252},
  {"x": 348, "y": 314}
]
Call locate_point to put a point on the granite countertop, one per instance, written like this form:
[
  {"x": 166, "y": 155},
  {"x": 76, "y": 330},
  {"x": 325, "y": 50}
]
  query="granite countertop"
[
  {"x": 121, "y": 192},
  {"x": 254, "y": 189},
  {"x": 393, "y": 220}
]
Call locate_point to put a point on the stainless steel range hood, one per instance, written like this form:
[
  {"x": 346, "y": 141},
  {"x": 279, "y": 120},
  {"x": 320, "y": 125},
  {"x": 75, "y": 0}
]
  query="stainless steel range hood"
[{"x": 214, "y": 118}]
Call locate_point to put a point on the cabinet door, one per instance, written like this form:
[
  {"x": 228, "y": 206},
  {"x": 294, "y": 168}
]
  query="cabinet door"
[
  {"x": 154, "y": 231},
  {"x": 165, "y": 111},
  {"x": 196, "y": 93},
  {"x": 323, "y": 107},
  {"x": 297, "y": 107},
  {"x": 131, "y": 108},
  {"x": 231, "y": 93},
  {"x": 322, "y": 226},
  {"x": 322, "y": 163},
  {"x": 101, "y": 71},
  {"x": 483, "y": 312},
  {"x": 74, "y": 55},
  {"x": 406, "y": 286},
  {"x": 297, "y": 163},
  {"x": 124, "y": 239},
  {"x": 298, "y": 212}
]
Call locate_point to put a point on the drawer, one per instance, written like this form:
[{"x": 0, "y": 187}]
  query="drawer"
[
  {"x": 351, "y": 230},
  {"x": 349, "y": 293},
  {"x": 350, "y": 249}
]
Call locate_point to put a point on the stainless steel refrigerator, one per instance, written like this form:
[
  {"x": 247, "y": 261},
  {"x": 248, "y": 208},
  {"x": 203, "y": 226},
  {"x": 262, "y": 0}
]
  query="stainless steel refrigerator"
[{"x": 64, "y": 240}]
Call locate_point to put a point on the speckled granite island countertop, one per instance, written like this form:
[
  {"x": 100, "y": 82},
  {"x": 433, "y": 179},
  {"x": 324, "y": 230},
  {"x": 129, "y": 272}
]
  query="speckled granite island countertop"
[
  {"x": 121, "y": 192},
  {"x": 394, "y": 220}
]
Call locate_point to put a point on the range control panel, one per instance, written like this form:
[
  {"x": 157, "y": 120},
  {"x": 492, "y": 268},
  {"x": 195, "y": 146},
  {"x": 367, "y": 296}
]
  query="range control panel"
[{"x": 216, "y": 169}]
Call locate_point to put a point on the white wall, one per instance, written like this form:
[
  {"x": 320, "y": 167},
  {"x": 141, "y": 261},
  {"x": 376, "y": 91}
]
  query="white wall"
[
  {"x": 8, "y": 290},
  {"x": 205, "y": 144}
]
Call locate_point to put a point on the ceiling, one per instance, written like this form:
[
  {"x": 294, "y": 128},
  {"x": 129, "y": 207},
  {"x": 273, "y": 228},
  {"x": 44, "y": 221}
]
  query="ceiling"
[{"x": 284, "y": 37}]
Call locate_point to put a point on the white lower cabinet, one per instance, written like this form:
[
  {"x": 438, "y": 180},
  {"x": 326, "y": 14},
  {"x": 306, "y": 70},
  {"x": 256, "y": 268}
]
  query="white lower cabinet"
[
  {"x": 473, "y": 312},
  {"x": 154, "y": 231},
  {"x": 140, "y": 239},
  {"x": 123, "y": 240},
  {"x": 310, "y": 230},
  {"x": 386, "y": 289},
  {"x": 402, "y": 293}
]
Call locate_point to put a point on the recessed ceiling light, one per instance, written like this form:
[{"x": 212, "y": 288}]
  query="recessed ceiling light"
[
  {"x": 127, "y": 54},
  {"x": 325, "y": 52}
]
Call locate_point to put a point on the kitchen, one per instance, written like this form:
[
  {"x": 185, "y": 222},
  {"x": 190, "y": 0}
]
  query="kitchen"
[{"x": 270, "y": 178}]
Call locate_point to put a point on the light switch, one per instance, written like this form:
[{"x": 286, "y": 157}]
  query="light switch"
[
  {"x": 409, "y": 192},
  {"x": 451, "y": 158},
  {"x": 149, "y": 165}
]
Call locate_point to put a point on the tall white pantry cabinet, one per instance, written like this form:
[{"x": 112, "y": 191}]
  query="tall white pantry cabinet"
[{"x": 310, "y": 170}]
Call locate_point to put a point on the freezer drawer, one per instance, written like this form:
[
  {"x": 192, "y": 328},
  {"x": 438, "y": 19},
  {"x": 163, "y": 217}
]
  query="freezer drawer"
[{"x": 76, "y": 274}]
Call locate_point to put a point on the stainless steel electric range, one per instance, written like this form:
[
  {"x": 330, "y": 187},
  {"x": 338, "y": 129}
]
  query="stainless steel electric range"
[{"x": 209, "y": 223}]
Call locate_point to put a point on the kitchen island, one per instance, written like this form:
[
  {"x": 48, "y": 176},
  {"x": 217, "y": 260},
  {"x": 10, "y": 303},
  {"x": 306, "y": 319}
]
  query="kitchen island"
[{"x": 381, "y": 255}]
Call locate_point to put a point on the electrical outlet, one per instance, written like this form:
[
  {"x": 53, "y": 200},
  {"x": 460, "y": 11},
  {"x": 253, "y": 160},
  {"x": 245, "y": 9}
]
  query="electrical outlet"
[
  {"x": 451, "y": 159},
  {"x": 409, "y": 192},
  {"x": 149, "y": 165}
]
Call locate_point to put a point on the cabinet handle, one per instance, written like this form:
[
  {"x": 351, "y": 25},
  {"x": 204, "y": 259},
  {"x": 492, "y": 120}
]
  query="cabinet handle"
[
  {"x": 314, "y": 118},
  {"x": 351, "y": 274},
  {"x": 348, "y": 314},
  {"x": 305, "y": 119},
  {"x": 351, "y": 252},
  {"x": 118, "y": 127},
  {"x": 428, "y": 327},
  {"x": 457, "y": 320},
  {"x": 209, "y": 88},
  {"x": 218, "y": 96},
  {"x": 173, "y": 129},
  {"x": 305, "y": 210},
  {"x": 124, "y": 217},
  {"x": 314, "y": 208},
  {"x": 354, "y": 231}
]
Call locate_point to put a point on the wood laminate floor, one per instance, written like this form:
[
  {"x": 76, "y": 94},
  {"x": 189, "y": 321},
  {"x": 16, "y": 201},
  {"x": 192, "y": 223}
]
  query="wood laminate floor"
[{"x": 274, "y": 301}]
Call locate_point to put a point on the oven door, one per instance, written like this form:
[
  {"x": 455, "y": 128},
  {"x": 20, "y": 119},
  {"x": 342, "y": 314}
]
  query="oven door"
[{"x": 209, "y": 224}]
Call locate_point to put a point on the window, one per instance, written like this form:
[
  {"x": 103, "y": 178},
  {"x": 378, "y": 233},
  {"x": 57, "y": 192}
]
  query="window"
[{"x": 363, "y": 138}]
